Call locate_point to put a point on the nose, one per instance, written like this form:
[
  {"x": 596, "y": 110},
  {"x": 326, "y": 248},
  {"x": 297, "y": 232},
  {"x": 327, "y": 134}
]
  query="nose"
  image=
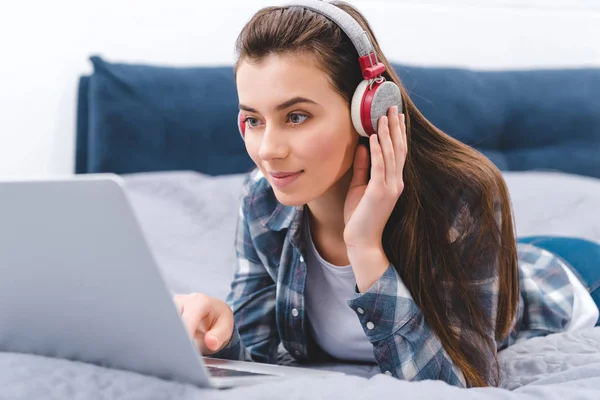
[{"x": 273, "y": 144}]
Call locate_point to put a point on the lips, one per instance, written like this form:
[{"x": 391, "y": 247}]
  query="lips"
[
  {"x": 282, "y": 180},
  {"x": 281, "y": 175}
]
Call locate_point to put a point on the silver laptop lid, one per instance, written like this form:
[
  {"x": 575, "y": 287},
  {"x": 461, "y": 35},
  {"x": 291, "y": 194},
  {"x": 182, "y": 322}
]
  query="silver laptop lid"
[{"x": 79, "y": 281}]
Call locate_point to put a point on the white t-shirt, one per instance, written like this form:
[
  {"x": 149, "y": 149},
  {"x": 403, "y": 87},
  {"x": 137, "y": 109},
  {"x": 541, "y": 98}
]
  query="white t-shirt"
[{"x": 334, "y": 325}]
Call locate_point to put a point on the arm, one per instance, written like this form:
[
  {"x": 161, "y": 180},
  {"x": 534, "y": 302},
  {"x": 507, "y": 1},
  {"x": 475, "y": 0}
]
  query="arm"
[
  {"x": 252, "y": 299},
  {"x": 404, "y": 344}
]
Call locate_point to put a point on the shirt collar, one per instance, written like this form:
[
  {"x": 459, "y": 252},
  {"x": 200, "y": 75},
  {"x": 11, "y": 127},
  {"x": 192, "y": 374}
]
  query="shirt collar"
[
  {"x": 287, "y": 217},
  {"x": 282, "y": 217}
]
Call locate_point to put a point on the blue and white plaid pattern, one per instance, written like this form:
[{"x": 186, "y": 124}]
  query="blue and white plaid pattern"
[{"x": 267, "y": 297}]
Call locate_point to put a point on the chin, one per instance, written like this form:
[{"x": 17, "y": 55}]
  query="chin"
[
  {"x": 290, "y": 199},
  {"x": 293, "y": 196}
]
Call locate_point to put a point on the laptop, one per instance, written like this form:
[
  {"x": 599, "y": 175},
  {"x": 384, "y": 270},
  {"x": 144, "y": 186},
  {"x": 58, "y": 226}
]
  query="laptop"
[{"x": 80, "y": 282}]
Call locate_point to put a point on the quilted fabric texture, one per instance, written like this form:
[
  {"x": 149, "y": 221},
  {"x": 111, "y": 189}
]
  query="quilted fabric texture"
[{"x": 561, "y": 366}]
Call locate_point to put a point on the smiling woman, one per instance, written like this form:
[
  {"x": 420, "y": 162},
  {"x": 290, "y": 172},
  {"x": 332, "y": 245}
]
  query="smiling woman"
[
  {"x": 297, "y": 129},
  {"x": 367, "y": 234}
]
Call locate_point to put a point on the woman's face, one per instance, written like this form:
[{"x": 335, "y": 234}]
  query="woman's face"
[{"x": 298, "y": 129}]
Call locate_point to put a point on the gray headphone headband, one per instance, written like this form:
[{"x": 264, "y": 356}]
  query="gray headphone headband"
[{"x": 345, "y": 21}]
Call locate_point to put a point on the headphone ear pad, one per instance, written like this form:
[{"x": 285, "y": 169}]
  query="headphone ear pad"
[
  {"x": 370, "y": 104},
  {"x": 355, "y": 107},
  {"x": 241, "y": 125}
]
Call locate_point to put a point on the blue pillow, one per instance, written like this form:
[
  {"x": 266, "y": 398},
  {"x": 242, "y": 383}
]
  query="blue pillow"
[
  {"x": 135, "y": 118},
  {"x": 148, "y": 118},
  {"x": 521, "y": 120},
  {"x": 81, "y": 144}
]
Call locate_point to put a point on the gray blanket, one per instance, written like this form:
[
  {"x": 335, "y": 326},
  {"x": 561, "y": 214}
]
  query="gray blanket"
[
  {"x": 189, "y": 220},
  {"x": 562, "y": 366}
]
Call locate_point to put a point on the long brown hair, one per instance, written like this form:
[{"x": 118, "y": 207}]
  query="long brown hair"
[{"x": 441, "y": 174}]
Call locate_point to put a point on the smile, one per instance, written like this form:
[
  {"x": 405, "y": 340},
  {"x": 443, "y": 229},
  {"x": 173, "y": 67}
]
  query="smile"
[{"x": 284, "y": 179}]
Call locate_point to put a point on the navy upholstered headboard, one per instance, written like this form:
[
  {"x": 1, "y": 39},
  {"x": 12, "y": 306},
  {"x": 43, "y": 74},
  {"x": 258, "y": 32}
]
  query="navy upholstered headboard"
[{"x": 134, "y": 118}]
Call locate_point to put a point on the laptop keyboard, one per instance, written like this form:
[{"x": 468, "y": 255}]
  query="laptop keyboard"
[{"x": 223, "y": 372}]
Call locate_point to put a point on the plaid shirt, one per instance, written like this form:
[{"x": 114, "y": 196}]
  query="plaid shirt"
[{"x": 267, "y": 298}]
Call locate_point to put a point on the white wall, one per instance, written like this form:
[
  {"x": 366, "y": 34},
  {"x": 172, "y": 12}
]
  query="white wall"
[{"x": 45, "y": 45}]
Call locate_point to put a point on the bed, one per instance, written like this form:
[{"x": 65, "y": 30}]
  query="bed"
[{"x": 171, "y": 134}]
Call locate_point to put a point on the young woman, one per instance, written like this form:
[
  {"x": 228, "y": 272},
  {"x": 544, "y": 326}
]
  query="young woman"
[{"x": 398, "y": 249}]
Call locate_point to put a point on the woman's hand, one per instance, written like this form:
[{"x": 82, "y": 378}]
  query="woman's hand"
[
  {"x": 369, "y": 203},
  {"x": 209, "y": 321}
]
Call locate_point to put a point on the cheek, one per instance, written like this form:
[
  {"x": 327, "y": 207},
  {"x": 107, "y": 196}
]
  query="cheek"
[
  {"x": 322, "y": 148},
  {"x": 317, "y": 147},
  {"x": 322, "y": 151},
  {"x": 252, "y": 146},
  {"x": 330, "y": 156}
]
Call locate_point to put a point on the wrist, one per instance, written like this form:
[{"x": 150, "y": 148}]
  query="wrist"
[{"x": 368, "y": 265}]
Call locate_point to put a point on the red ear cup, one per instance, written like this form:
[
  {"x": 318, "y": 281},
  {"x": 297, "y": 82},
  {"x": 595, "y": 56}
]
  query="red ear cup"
[
  {"x": 371, "y": 101},
  {"x": 241, "y": 125},
  {"x": 366, "y": 109}
]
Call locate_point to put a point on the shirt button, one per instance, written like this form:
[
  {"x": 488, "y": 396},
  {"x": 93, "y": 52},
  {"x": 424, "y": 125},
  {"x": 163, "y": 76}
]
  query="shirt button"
[
  {"x": 294, "y": 312},
  {"x": 370, "y": 325},
  {"x": 297, "y": 352},
  {"x": 301, "y": 259},
  {"x": 388, "y": 373},
  {"x": 360, "y": 310}
]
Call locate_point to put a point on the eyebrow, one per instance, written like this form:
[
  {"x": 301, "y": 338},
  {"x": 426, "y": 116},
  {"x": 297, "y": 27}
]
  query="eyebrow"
[{"x": 282, "y": 106}]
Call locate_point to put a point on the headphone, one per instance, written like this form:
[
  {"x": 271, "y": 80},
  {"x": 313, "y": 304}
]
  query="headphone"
[{"x": 374, "y": 95}]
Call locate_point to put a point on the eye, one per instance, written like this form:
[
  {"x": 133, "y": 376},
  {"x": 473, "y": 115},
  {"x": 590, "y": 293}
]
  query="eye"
[
  {"x": 251, "y": 122},
  {"x": 296, "y": 118}
]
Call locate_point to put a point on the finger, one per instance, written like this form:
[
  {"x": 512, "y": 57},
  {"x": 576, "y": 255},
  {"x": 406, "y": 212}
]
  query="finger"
[
  {"x": 220, "y": 333},
  {"x": 179, "y": 301},
  {"x": 396, "y": 122},
  {"x": 400, "y": 142},
  {"x": 194, "y": 313},
  {"x": 401, "y": 152},
  {"x": 377, "y": 165},
  {"x": 387, "y": 147},
  {"x": 360, "y": 173}
]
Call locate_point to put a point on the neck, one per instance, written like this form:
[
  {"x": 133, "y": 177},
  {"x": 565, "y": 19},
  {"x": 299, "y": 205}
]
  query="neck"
[{"x": 327, "y": 211}]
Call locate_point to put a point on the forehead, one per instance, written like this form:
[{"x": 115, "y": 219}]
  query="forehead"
[{"x": 277, "y": 78}]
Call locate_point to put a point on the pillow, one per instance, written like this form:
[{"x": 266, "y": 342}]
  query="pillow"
[
  {"x": 147, "y": 118},
  {"x": 521, "y": 120},
  {"x": 136, "y": 118}
]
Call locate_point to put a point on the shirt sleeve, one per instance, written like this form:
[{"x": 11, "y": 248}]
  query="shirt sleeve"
[
  {"x": 252, "y": 298},
  {"x": 404, "y": 344}
]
